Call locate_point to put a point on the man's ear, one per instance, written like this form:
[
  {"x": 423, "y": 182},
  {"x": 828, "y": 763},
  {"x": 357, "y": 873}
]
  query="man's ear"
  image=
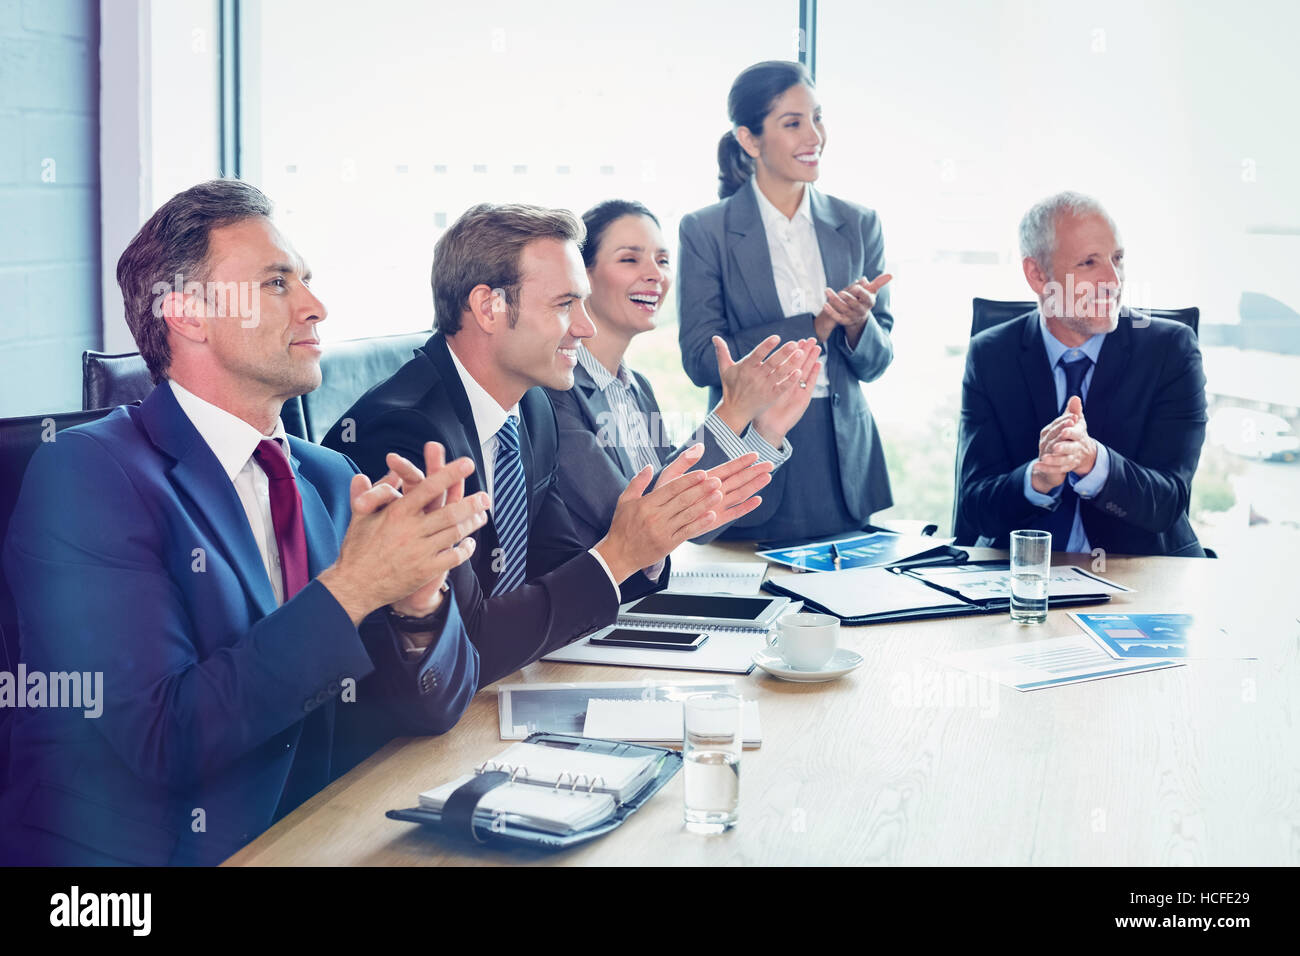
[
  {"x": 488, "y": 308},
  {"x": 184, "y": 314},
  {"x": 748, "y": 141},
  {"x": 1034, "y": 275}
]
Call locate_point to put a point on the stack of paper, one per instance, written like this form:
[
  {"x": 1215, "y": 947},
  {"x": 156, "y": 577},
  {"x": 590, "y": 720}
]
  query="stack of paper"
[{"x": 654, "y": 721}]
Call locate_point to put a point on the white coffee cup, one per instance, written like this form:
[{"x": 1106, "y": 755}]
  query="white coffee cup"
[{"x": 807, "y": 641}]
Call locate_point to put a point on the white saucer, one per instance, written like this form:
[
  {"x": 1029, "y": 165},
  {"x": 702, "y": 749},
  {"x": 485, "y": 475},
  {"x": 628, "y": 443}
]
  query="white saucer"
[{"x": 841, "y": 662}]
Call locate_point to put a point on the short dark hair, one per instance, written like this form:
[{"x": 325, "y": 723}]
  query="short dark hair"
[
  {"x": 174, "y": 242},
  {"x": 597, "y": 220},
  {"x": 484, "y": 247},
  {"x": 748, "y": 103}
]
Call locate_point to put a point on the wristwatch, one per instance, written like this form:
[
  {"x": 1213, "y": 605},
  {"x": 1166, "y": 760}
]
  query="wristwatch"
[{"x": 415, "y": 625}]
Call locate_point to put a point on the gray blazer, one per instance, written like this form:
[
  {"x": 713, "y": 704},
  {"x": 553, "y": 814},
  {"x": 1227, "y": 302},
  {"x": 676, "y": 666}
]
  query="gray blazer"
[
  {"x": 725, "y": 287},
  {"x": 593, "y": 468}
]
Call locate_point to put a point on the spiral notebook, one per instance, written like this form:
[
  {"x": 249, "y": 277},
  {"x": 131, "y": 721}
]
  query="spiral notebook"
[
  {"x": 550, "y": 790},
  {"x": 738, "y": 577}
]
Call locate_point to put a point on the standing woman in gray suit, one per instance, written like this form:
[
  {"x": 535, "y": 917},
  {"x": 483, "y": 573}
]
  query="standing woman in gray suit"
[
  {"x": 777, "y": 257},
  {"x": 610, "y": 424}
]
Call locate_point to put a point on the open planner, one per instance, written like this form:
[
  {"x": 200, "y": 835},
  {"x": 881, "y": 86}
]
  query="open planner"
[{"x": 550, "y": 790}]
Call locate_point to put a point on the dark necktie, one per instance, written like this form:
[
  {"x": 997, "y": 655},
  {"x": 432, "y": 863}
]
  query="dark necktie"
[
  {"x": 510, "y": 508},
  {"x": 1074, "y": 373},
  {"x": 1061, "y": 521},
  {"x": 286, "y": 516}
]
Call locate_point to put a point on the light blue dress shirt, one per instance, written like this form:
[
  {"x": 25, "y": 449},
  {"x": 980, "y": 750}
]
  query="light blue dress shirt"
[{"x": 1088, "y": 486}]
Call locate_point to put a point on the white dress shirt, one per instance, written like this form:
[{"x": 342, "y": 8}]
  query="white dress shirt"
[
  {"x": 796, "y": 263},
  {"x": 233, "y": 441},
  {"x": 488, "y": 419}
]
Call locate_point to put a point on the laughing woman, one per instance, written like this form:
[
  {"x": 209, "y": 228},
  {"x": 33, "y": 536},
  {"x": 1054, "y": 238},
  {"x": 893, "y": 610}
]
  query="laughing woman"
[
  {"x": 610, "y": 423},
  {"x": 768, "y": 260}
]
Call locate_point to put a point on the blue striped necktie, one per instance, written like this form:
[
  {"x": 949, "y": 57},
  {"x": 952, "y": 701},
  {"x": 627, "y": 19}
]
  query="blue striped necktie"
[{"x": 509, "y": 509}]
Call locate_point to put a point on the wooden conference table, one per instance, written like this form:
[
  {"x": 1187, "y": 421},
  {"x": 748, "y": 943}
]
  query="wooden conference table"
[{"x": 906, "y": 761}]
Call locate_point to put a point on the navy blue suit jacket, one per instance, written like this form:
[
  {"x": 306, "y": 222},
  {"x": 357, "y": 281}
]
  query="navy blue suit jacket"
[
  {"x": 725, "y": 287},
  {"x": 1146, "y": 404},
  {"x": 130, "y": 554},
  {"x": 566, "y": 593}
]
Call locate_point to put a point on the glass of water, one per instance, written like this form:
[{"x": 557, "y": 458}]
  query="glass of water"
[
  {"x": 1031, "y": 564},
  {"x": 712, "y": 746}
]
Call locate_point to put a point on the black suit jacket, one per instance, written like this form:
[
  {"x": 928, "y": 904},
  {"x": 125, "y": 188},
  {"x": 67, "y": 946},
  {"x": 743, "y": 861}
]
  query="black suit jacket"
[
  {"x": 1146, "y": 404},
  {"x": 567, "y": 594}
]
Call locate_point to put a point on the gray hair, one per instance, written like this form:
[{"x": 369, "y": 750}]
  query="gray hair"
[
  {"x": 1038, "y": 227},
  {"x": 485, "y": 246},
  {"x": 174, "y": 242}
]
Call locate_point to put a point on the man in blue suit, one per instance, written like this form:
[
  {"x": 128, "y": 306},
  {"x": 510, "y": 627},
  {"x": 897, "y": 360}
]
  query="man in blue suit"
[
  {"x": 1081, "y": 418},
  {"x": 229, "y": 583}
]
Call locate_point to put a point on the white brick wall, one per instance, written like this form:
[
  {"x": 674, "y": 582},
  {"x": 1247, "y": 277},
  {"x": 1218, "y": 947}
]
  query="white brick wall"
[{"x": 49, "y": 201}]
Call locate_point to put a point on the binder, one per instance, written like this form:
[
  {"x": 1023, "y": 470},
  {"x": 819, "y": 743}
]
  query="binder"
[
  {"x": 948, "y": 602},
  {"x": 457, "y": 818}
]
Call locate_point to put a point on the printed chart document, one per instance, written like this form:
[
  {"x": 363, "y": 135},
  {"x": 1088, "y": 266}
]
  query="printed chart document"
[
  {"x": 1049, "y": 663},
  {"x": 740, "y": 577},
  {"x": 986, "y": 583},
  {"x": 1146, "y": 635},
  {"x": 858, "y": 551}
]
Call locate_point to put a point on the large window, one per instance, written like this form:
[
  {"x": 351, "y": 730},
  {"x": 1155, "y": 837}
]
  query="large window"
[
  {"x": 952, "y": 118},
  {"x": 374, "y": 134}
]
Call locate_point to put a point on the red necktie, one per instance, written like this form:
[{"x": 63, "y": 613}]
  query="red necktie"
[{"x": 286, "y": 515}]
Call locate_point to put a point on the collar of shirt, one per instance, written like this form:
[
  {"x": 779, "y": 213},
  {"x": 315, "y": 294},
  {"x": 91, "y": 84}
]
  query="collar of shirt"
[
  {"x": 231, "y": 438},
  {"x": 488, "y": 415},
  {"x": 601, "y": 375},
  {"x": 1056, "y": 348},
  {"x": 773, "y": 217}
]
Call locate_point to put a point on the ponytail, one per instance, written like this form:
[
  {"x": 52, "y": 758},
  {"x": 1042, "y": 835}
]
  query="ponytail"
[
  {"x": 735, "y": 166},
  {"x": 750, "y": 100}
]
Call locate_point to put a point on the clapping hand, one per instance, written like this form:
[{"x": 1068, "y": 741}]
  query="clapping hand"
[
  {"x": 684, "y": 504},
  {"x": 1064, "y": 446},
  {"x": 752, "y": 385},
  {"x": 407, "y": 531},
  {"x": 850, "y": 308},
  {"x": 781, "y": 416}
]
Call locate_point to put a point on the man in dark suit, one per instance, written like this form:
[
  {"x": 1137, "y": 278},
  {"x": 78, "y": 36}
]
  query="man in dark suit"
[
  {"x": 1081, "y": 418},
  {"x": 509, "y": 285},
  {"x": 228, "y": 584}
]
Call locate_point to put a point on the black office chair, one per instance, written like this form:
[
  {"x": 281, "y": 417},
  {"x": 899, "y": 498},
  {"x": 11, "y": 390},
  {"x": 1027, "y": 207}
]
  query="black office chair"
[
  {"x": 108, "y": 380},
  {"x": 19, "y": 439},
  {"x": 986, "y": 313},
  {"x": 348, "y": 371}
]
